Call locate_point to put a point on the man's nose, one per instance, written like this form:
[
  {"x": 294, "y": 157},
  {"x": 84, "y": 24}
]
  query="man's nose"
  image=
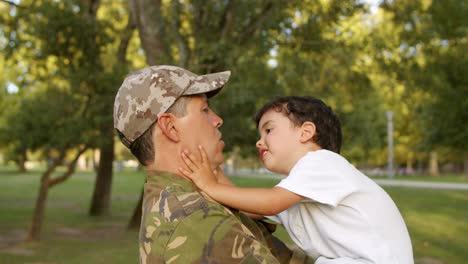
[{"x": 217, "y": 121}]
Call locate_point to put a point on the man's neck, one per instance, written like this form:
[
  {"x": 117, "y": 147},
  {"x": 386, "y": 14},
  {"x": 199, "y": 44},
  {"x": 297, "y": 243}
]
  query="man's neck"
[
  {"x": 168, "y": 162},
  {"x": 162, "y": 166}
]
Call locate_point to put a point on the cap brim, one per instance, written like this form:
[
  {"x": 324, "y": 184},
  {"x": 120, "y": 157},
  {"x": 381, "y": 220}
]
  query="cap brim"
[{"x": 209, "y": 84}]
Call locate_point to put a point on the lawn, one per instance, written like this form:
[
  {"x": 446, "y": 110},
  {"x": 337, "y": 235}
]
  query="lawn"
[{"x": 437, "y": 220}]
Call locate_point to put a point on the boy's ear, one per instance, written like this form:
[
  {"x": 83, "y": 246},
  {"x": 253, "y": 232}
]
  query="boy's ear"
[
  {"x": 167, "y": 125},
  {"x": 308, "y": 131}
]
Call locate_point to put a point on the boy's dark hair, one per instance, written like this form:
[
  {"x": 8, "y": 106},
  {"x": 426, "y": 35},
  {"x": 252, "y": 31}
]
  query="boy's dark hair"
[{"x": 300, "y": 109}]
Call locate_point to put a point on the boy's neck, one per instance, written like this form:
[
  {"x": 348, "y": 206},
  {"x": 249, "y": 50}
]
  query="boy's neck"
[{"x": 303, "y": 151}]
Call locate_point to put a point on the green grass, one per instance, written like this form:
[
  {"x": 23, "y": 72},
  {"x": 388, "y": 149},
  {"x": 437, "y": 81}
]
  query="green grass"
[
  {"x": 69, "y": 235},
  {"x": 437, "y": 220}
]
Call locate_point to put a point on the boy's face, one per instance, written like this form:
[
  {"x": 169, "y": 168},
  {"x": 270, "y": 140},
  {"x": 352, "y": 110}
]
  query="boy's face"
[{"x": 279, "y": 145}]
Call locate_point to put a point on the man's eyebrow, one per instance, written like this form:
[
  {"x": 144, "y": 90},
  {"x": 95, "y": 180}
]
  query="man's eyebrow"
[{"x": 205, "y": 100}]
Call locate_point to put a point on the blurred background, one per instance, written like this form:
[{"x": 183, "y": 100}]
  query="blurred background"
[{"x": 396, "y": 73}]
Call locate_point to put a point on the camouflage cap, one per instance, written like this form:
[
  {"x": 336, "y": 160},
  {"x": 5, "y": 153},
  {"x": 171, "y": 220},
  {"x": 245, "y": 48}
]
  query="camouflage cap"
[{"x": 149, "y": 92}]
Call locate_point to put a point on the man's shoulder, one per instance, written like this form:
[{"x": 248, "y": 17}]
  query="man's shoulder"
[
  {"x": 174, "y": 202},
  {"x": 180, "y": 223}
]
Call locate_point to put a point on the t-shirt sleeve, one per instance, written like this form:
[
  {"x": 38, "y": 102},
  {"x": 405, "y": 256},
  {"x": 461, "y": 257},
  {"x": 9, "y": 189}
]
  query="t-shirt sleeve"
[
  {"x": 318, "y": 180},
  {"x": 273, "y": 218}
]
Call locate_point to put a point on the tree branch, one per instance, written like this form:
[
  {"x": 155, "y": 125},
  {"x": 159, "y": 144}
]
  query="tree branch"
[
  {"x": 226, "y": 19},
  {"x": 150, "y": 23},
  {"x": 197, "y": 19},
  {"x": 125, "y": 40},
  {"x": 12, "y": 4},
  {"x": 255, "y": 23},
  {"x": 70, "y": 169},
  {"x": 92, "y": 7},
  {"x": 52, "y": 166},
  {"x": 184, "y": 50}
]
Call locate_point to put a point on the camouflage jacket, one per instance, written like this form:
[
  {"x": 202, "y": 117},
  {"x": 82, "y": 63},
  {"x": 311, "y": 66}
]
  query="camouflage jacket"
[{"x": 180, "y": 225}]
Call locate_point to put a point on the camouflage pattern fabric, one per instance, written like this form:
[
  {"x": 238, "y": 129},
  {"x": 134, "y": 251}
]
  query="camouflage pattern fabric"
[
  {"x": 179, "y": 225},
  {"x": 145, "y": 94}
]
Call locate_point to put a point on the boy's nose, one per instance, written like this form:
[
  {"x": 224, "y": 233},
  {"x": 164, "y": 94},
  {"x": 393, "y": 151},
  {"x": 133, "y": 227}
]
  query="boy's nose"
[{"x": 259, "y": 143}]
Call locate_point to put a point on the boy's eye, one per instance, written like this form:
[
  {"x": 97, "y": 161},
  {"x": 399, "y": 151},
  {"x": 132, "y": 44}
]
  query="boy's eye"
[
  {"x": 206, "y": 110},
  {"x": 268, "y": 130}
]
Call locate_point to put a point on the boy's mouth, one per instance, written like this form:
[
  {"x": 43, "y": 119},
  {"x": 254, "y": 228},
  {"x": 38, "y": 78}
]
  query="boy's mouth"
[{"x": 261, "y": 153}]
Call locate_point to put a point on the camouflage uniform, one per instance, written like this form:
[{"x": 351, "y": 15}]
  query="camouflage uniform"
[{"x": 180, "y": 225}]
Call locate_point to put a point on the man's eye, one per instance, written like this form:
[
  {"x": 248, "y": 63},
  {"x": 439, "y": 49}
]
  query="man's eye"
[
  {"x": 206, "y": 110},
  {"x": 268, "y": 130}
]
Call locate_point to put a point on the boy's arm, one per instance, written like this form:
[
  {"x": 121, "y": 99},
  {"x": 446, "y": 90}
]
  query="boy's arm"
[
  {"x": 221, "y": 177},
  {"x": 260, "y": 201},
  {"x": 252, "y": 200}
]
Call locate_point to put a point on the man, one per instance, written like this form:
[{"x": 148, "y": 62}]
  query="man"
[{"x": 158, "y": 112}]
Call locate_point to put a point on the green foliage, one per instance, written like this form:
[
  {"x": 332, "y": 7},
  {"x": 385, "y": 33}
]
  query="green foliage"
[
  {"x": 408, "y": 57},
  {"x": 60, "y": 54},
  {"x": 434, "y": 43},
  {"x": 46, "y": 120},
  {"x": 241, "y": 36}
]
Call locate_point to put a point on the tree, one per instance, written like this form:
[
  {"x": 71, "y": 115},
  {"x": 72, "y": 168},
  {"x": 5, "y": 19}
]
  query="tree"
[
  {"x": 85, "y": 50},
  {"x": 434, "y": 42},
  {"x": 54, "y": 132},
  {"x": 322, "y": 53},
  {"x": 65, "y": 59}
]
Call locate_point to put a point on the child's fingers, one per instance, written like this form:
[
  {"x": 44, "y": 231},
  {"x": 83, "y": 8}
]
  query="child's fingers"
[
  {"x": 188, "y": 161},
  {"x": 203, "y": 154},
  {"x": 185, "y": 172},
  {"x": 192, "y": 157}
]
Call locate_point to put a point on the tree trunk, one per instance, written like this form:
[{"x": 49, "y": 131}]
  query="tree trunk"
[
  {"x": 135, "y": 221},
  {"x": 409, "y": 165},
  {"x": 46, "y": 183},
  {"x": 96, "y": 157},
  {"x": 465, "y": 165},
  {"x": 21, "y": 162},
  {"x": 433, "y": 164},
  {"x": 38, "y": 215},
  {"x": 36, "y": 223},
  {"x": 148, "y": 18},
  {"x": 100, "y": 203}
]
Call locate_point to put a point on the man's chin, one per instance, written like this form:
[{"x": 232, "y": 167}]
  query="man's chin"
[{"x": 218, "y": 160}]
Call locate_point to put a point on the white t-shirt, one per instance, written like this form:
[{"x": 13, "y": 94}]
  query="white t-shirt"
[{"x": 345, "y": 217}]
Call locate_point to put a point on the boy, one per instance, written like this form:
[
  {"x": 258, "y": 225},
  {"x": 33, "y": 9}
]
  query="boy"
[{"x": 330, "y": 209}]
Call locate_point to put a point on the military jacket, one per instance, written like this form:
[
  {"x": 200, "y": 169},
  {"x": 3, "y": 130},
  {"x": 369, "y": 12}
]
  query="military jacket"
[{"x": 180, "y": 225}]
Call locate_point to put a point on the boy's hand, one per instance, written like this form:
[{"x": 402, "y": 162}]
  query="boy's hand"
[{"x": 200, "y": 172}]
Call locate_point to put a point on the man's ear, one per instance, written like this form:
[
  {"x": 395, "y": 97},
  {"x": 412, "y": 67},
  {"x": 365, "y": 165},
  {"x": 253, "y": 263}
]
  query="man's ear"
[
  {"x": 167, "y": 125},
  {"x": 308, "y": 131}
]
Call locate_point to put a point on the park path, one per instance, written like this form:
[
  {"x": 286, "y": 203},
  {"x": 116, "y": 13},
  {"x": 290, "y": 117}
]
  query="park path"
[
  {"x": 422, "y": 184},
  {"x": 402, "y": 183}
]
